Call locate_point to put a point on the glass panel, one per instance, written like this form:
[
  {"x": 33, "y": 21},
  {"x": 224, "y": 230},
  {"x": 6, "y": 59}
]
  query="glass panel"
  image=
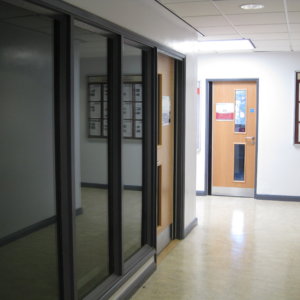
[
  {"x": 132, "y": 154},
  {"x": 90, "y": 125},
  {"x": 240, "y": 110},
  {"x": 239, "y": 162},
  {"x": 28, "y": 252}
]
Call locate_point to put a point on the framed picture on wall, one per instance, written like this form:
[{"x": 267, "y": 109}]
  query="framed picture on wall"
[
  {"x": 105, "y": 110},
  {"x": 95, "y": 92},
  {"x": 127, "y": 110},
  {"x": 105, "y": 91},
  {"x": 138, "y": 129},
  {"x": 138, "y": 96},
  {"x": 94, "y": 127},
  {"x": 138, "y": 111},
  {"x": 127, "y": 128},
  {"x": 132, "y": 106},
  {"x": 95, "y": 110},
  {"x": 105, "y": 128},
  {"x": 127, "y": 92}
]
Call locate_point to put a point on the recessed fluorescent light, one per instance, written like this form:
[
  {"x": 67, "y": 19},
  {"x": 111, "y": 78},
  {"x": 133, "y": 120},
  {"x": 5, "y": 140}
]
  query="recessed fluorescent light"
[
  {"x": 213, "y": 46},
  {"x": 225, "y": 45},
  {"x": 252, "y": 6}
]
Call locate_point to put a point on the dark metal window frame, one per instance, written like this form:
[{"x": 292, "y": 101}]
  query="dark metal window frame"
[{"x": 64, "y": 147}]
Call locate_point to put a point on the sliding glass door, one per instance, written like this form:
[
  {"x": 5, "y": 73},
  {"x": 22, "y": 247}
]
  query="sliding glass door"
[
  {"x": 77, "y": 160},
  {"x": 28, "y": 244}
]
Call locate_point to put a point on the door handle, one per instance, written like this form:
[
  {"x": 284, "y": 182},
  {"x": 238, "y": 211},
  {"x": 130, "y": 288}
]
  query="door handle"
[{"x": 251, "y": 139}]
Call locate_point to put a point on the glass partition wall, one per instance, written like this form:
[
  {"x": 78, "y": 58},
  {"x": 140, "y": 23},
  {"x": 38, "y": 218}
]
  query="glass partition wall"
[
  {"x": 91, "y": 153},
  {"x": 77, "y": 210},
  {"x": 132, "y": 149},
  {"x": 28, "y": 217}
]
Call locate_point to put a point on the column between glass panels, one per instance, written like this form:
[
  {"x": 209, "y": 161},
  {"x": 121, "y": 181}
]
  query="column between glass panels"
[{"x": 64, "y": 153}]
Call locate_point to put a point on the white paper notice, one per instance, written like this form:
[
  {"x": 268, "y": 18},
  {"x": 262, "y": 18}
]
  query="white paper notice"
[{"x": 224, "y": 111}]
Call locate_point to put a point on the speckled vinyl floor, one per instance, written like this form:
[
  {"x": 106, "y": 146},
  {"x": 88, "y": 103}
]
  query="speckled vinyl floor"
[{"x": 242, "y": 249}]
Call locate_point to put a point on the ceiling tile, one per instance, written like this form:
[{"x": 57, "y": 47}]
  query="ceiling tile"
[
  {"x": 293, "y": 5},
  {"x": 220, "y": 37},
  {"x": 296, "y": 48},
  {"x": 262, "y": 28},
  {"x": 294, "y": 17},
  {"x": 267, "y": 36},
  {"x": 272, "y": 45},
  {"x": 234, "y": 6},
  {"x": 296, "y": 42},
  {"x": 193, "y": 9},
  {"x": 295, "y": 35},
  {"x": 295, "y": 27},
  {"x": 178, "y": 1},
  {"x": 218, "y": 30},
  {"x": 207, "y": 21},
  {"x": 257, "y": 19}
]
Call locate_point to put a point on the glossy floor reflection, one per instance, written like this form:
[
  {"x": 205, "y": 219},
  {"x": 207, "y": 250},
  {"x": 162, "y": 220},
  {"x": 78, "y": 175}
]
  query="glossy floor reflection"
[{"x": 242, "y": 249}]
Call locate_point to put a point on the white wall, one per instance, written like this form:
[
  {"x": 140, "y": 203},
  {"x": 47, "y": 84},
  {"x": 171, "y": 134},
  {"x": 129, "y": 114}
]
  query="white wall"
[
  {"x": 190, "y": 135},
  {"x": 278, "y": 158}
]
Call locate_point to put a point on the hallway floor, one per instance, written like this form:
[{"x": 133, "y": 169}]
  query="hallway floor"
[{"x": 242, "y": 249}]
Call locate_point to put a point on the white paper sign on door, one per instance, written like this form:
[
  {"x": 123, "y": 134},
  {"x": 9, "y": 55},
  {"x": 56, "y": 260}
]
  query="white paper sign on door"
[{"x": 224, "y": 111}]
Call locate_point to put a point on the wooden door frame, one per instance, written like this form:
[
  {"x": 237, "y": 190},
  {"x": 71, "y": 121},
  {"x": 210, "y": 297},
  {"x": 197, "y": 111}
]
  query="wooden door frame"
[
  {"x": 208, "y": 130},
  {"x": 178, "y": 229}
]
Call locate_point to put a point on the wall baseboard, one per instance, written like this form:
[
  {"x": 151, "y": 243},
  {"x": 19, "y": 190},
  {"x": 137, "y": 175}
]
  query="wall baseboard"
[
  {"x": 105, "y": 186},
  {"x": 190, "y": 227},
  {"x": 277, "y": 197},
  {"x": 201, "y": 193},
  {"x": 32, "y": 228},
  {"x": 94, "y": 185}
]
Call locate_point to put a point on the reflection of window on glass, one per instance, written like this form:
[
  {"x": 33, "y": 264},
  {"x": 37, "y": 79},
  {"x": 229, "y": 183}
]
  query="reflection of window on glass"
[
  {"x": 239, "y": 162},
  {"x": 240, "y": 110}
]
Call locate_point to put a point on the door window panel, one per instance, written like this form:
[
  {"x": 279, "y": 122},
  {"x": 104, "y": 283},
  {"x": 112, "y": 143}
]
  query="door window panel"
[
  {"x": 240, "y": 111},
  {"x": 239, "y": 162}
]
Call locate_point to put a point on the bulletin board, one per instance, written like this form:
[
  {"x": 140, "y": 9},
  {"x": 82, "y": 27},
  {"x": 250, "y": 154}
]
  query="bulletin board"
[{"x": 132, "y": 107}]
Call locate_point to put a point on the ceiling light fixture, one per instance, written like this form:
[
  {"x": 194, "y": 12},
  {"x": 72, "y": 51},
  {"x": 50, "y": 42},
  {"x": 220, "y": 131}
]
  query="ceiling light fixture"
[
  {"x": 252, "y": 6},
  {"x": 222, "y": 46}
]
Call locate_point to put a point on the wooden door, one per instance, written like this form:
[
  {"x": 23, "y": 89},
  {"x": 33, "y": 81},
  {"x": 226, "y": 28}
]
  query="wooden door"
[
  {"x": 233, "y": 138},
  {"x": 165, "y": 148}
]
